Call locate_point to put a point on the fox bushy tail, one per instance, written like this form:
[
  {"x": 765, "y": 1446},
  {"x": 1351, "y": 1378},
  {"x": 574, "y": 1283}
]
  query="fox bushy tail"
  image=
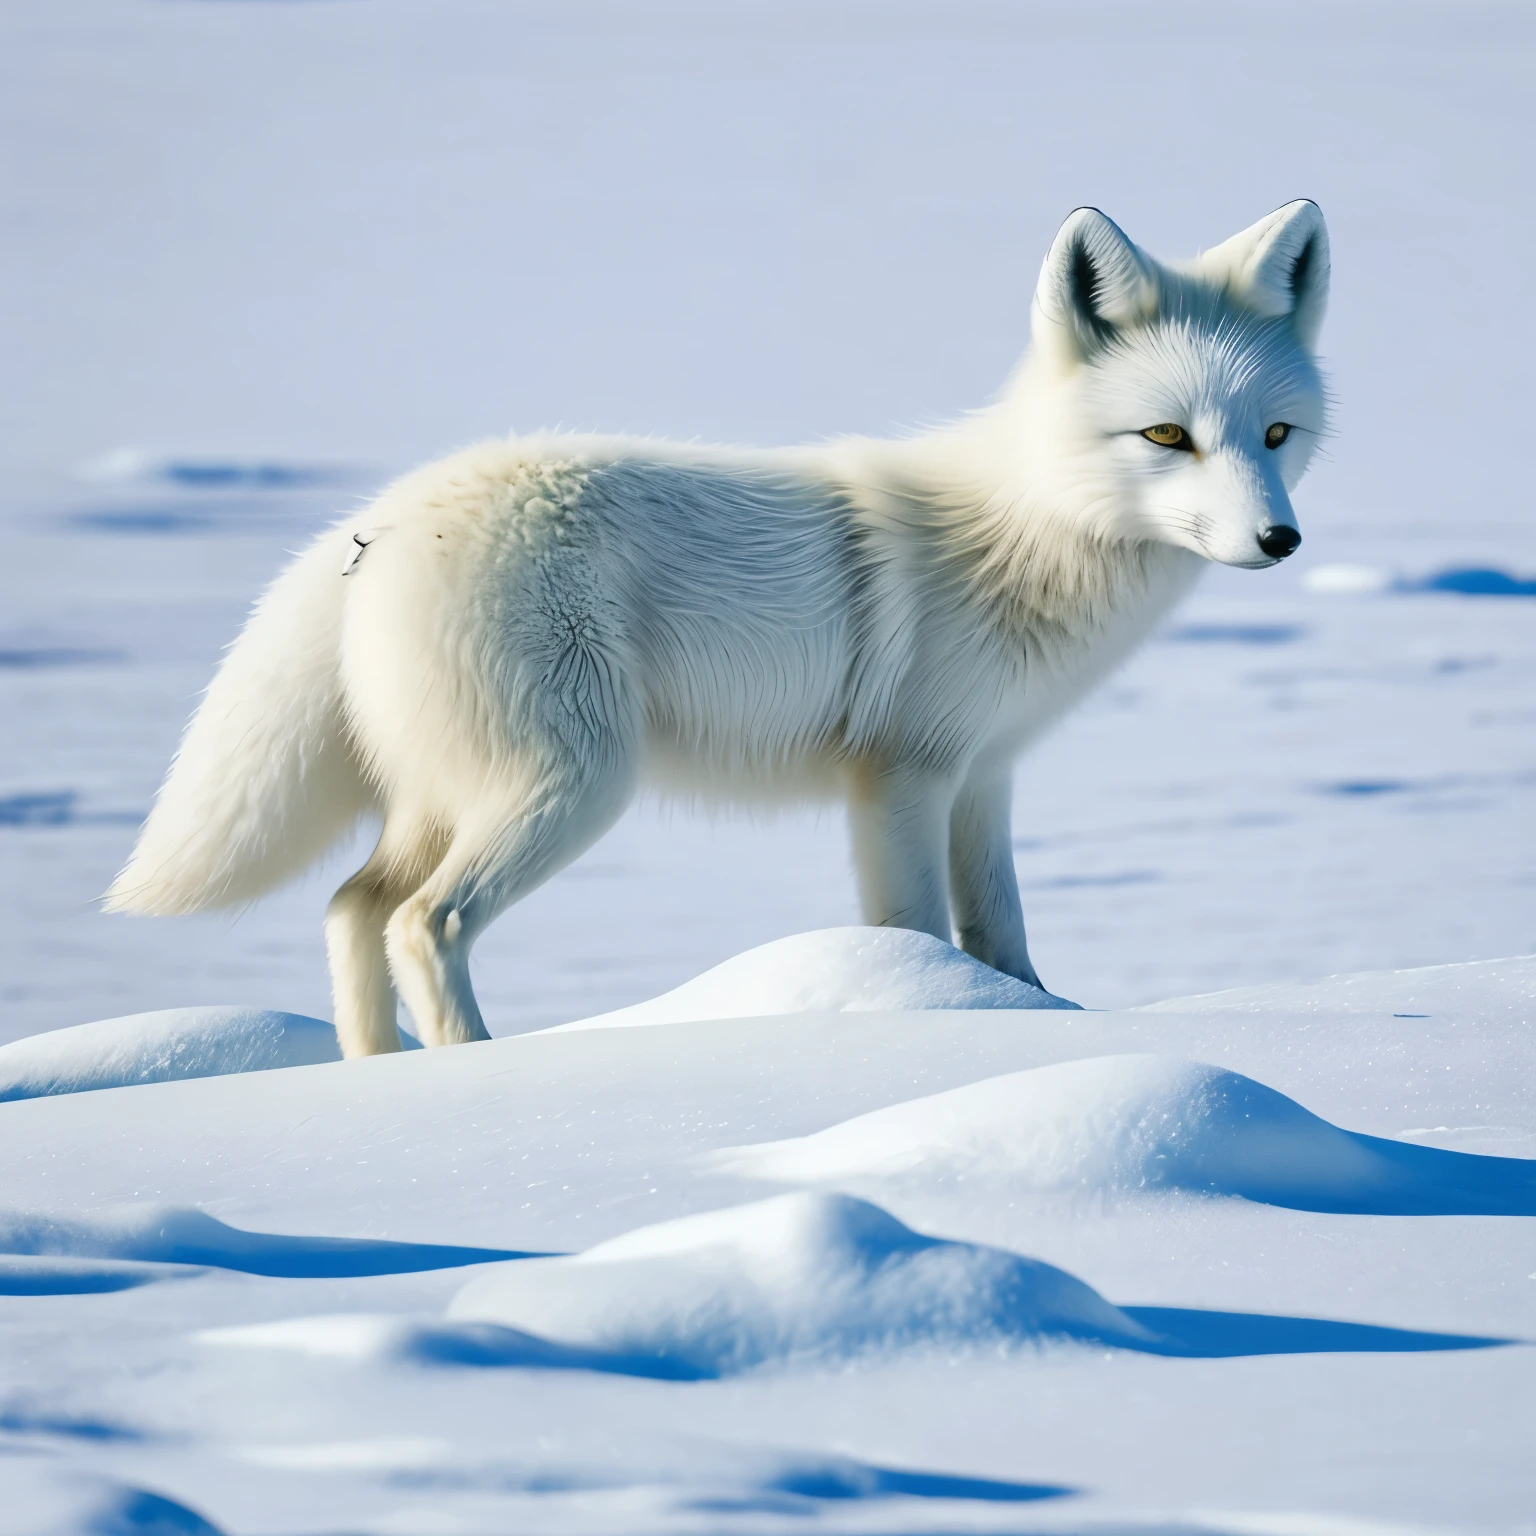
[{"x": 265, "y": 779}]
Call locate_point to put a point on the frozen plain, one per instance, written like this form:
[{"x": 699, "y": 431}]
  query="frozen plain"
[{"x": 332, "y": 239}]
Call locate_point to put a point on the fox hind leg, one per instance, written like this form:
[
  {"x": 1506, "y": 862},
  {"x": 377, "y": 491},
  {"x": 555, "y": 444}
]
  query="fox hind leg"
[
  {"x": 362, "y": 991},
  {"x": 492, "y": 862}
]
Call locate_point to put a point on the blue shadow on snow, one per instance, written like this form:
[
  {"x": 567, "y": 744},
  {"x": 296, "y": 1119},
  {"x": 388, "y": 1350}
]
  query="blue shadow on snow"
[
  {"x": 1259, "y": 1145},
  {"x": 1411, "y": 1180},
  {"x": 784, "y": 1493},
  {"x": 1192, "y": 1333},
  {"x": 1472, "y": 581},
  {"x": 1235, "y": 634},
  {"x": 869, "y": 1482},
  {"x": 17, "y": 1421},
  {"x": 789, "y": 1487},
  {"x": 58, "y": 808},
  {"x": 1361, "y": 788},
  {"x": 170, "y": 1235},
  {"x": 492, "y": 1344},
  {"x": 258, "y": 474},
  {"x": 36, "y": 658},
  {"x": 325, "y": 1258},
  {"x": 63, "y": 1278},
  {"x": 1176, "y": 1332}
]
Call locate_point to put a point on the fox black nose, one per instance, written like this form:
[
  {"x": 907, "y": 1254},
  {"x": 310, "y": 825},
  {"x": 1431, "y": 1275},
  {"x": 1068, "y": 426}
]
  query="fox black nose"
[{"x": 1279, "y": 541}]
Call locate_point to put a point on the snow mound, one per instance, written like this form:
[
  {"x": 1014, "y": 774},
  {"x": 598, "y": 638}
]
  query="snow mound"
[
  {"x": 163, "y": 1234},
  {"x": 1111, "y": 1123},
  {"x": 165, "y": 1047},
  {"x": 834, "y": 970},
  {"x": 808, "y": 1278},
  {"x": 1117, "y": 1124},
  {"x": 160, "y": 1048}
]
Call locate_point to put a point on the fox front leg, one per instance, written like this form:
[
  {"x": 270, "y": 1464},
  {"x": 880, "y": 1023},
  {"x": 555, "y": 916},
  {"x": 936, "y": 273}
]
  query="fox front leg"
[
  {"x": 898, "y": 822},
  {"x": 983, "y": 885}
]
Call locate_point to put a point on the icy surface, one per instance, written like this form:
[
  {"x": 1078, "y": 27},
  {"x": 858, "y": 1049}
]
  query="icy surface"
[
  {"x": 262, "y": 257},
  {"x": 838, "y": 970}
]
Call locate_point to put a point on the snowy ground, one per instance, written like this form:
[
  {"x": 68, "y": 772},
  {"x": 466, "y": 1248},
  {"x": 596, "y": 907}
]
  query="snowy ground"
[
  {"x": 283, "y": 250},
  {"x": 1256, "y": 1318}
]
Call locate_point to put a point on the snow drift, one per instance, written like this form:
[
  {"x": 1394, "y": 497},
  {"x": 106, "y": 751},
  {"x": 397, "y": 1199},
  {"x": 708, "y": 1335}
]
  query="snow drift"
[
  {"x": 805, "y": 1277},
  {"x": 1117, "y": 1124},
  {"x": 46, "y": 1274},
  {"x": 164, "y": 1047},
  {"x": 836, "y": 970},
  {"x": 161, "y": 1234}
]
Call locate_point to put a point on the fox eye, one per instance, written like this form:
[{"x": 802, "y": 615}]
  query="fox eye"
[
  {"x": 1168, "y": 435},
  {"x": 1277, "y": 434}
]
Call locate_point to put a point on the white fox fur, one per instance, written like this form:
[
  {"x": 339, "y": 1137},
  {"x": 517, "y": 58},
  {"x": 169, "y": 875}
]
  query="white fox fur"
[{"x": 532, "y": 628}]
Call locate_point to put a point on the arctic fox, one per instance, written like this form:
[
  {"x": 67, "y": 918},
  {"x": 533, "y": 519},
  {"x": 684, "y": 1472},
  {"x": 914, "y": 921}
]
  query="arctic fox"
[{"x": 506, "y": 644}]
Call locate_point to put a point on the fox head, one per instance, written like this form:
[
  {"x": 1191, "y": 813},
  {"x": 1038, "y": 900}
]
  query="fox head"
[{"x": 1192, "y": 389}]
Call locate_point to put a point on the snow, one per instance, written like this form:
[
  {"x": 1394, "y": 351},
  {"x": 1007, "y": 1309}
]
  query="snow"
[
  {"x": 151, "y": 1233},
  {"x": 351, "y": 1346},
  {"x": 161, "y": 1046},
  {"x": 802, "y": 1279},
  {"x": 1346, "y": 580},
  {"x": 1503, "y": 989},
  {"x": 39, "y": 1274},
  {"x": 1115, "y": 1124},
  {"x": 43, "y": 1502},
  {"x": 264, "y": 256},
  {"x": 843, "y": 970}
]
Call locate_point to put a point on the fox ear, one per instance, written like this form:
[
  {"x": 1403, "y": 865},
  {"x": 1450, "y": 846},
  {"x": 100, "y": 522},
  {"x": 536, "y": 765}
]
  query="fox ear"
[
  {"x": 1279, "y": 266},
  {"x": 1093, "y": 280}
]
